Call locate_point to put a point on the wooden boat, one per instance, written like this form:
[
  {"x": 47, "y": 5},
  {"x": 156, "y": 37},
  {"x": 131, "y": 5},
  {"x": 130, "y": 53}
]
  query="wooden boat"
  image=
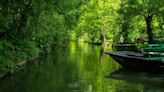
[
  {"x": 154, "y": 50},
  {"x": 138, "y": 61}
]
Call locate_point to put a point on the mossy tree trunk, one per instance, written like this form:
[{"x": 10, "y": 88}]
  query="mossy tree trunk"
[{"x": 149, "y": 20}]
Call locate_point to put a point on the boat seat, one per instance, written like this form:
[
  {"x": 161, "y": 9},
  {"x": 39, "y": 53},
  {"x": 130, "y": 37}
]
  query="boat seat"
[
  {"x": 135, "y": 54},
  {"x": 154, "y": 48},
  {"x": 155, "y": 53}
]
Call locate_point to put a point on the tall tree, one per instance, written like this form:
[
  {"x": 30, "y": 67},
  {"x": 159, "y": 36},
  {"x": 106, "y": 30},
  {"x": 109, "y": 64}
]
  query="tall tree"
[
  {"x": 144, "y": 8},
  {"x": 97, "y": 20}
]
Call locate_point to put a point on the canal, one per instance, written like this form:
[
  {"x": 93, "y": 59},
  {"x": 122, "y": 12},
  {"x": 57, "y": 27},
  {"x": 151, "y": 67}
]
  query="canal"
[{"x": 80, "y": 67}]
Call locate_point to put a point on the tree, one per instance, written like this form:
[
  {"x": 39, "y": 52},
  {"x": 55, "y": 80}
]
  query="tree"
[
  {"x": 31, "y": 27},
  {"x": 97, "y": 20},
  {"x": 144, "y": 8}
]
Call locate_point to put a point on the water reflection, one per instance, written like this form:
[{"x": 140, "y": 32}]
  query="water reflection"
[{"x": 79, "y": 67}]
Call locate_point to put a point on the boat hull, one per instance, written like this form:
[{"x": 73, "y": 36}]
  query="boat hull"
[{"x": 137, "y": 62}]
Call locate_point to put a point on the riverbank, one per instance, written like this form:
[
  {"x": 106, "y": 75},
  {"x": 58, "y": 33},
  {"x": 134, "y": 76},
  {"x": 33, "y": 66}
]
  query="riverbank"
[{"x": 19, "y": 66}]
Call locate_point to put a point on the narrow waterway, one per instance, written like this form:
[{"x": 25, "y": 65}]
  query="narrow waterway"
[{"x": 80, "y": 67}]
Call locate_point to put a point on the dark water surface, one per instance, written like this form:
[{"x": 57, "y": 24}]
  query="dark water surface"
[{"x": 80, "y": 67}]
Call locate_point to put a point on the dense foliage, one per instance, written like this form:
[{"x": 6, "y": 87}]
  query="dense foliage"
[
  {"x": 121, "y": 20},
  {"x": 31, "y": 27}
]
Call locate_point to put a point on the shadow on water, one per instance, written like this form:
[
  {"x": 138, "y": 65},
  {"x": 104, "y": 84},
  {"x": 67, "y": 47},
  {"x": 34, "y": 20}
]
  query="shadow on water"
[{"x": 138, "y": 77}]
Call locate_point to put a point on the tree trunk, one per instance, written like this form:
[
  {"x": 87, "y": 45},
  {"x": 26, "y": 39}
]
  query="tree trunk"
[
  {"x": 149, "y": 20},
  {"x": 125, "y": 31},
  {"x": 103, "y": 35},
  {"x": 103, "y": 40}
]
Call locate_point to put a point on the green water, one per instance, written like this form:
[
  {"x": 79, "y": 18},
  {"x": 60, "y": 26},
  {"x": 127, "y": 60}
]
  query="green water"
[{"x": 80, "y": 67}]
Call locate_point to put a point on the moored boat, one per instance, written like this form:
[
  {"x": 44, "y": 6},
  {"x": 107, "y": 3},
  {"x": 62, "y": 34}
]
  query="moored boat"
[
  {"x": 138, "y": 61},
  {"x": 125, "y": 46}
]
